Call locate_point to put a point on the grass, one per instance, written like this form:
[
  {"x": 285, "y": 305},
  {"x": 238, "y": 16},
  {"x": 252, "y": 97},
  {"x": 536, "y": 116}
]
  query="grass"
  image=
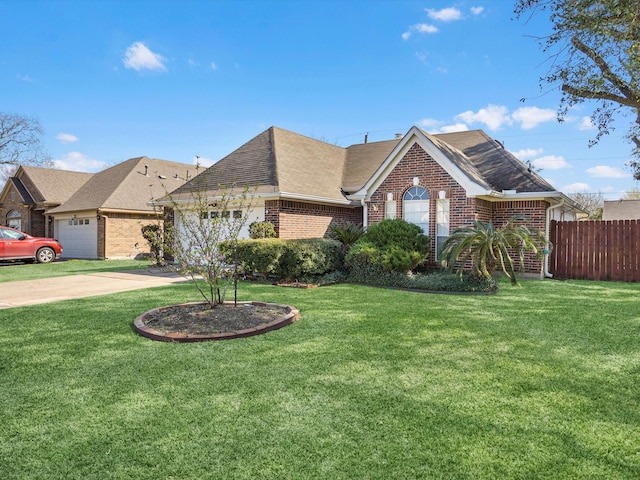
[
  {"x": 10, "y": 272},
  {"x": 534, "y": 382}
]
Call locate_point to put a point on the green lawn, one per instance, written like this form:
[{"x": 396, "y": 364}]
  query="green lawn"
[
  {"x": 10, "y": 272},
  {"x": 534, "y": 382}
]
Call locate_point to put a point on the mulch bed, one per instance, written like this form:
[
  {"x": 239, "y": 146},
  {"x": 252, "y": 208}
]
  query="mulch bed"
[{"x": 201, "y": 319}]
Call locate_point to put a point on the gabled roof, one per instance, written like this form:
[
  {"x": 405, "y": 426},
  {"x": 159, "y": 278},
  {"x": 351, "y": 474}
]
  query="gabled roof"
[
  {"x": 497, "y": 167},
  {"x": 284, "y": 164},
  {"x": 477, "y": 162},
  {"x": 287, "y": 164},
  {"x": 52, "y": 186},
  {"x": 129, "y": 185},
  {"x": 277, "y": 161}
]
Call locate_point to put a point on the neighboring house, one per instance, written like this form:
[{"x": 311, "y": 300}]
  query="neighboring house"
[
  {"x": 104, "y": 217},
  {"x": 32, "y": 192},
  {"x": 439, "y": 182},
  {"x": 621, "y": 210}
]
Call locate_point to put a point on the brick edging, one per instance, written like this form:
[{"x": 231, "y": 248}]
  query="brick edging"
[{"x": 292, "y": 315}]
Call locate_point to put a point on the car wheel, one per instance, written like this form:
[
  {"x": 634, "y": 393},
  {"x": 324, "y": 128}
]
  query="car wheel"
[{"x": 45, "y": 255}]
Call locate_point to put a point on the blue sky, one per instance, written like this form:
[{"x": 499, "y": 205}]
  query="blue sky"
[{"x": 112, "y": 80}]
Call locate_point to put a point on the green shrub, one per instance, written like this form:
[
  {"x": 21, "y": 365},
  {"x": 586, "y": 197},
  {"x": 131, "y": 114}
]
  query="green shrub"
[
  {"x": 262, "y": 230},
  {"x": 258, "y": 256},
  {"x": 391, "y": 245},
  {"x": 287, "y": 259},
  {"x": 310, "y": 257},
  {"x": 432, "y": 282},
  {"x": 400, "y": 233}
]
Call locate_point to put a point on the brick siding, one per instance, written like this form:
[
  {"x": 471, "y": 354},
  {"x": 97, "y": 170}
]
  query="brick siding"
[
  {"x": 293, "y": 219},
  {"x": 463, "y": 211},
  {"x": 120, "y": 235},
  {"x": 32, "y": 220}
]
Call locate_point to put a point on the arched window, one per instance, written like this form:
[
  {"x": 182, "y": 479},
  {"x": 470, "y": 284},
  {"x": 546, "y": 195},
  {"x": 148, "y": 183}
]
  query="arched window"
[
  {"x": 415, "y": 207},
  {"x": 14, "y": 219}
]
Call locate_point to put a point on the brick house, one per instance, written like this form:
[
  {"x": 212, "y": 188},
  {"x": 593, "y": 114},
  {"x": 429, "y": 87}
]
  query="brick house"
[
  {"x": 439, "y": 182},
  {"x": 103, "y": 218},
  {"x": 31, "y": 192}
]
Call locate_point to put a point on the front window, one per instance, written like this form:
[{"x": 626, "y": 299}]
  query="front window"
[
  {"x": 442, "y": 222},
  {"x": 14, "y": 220},
  {"x": 415, "y": 207},
  {"x": 390, "y": 209}
]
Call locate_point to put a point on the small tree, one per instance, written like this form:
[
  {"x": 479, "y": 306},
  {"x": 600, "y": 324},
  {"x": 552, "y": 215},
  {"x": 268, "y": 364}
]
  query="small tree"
[
  {"x": 488, "y": 248},
  {"x": 202, "y": 225},
  {"x": 159, "y": 240}
]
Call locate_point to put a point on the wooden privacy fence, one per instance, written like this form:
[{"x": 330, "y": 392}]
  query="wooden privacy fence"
[{"x": 596, "y": 250}]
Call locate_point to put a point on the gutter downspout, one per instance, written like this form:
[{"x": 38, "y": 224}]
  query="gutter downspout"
[
  {"x": 365, "y": 214},
  {"x": 548, "y": 274}
]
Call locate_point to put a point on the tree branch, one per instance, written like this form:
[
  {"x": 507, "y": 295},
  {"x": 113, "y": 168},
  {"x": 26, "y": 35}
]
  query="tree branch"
[{"x": 628, "y": 97}]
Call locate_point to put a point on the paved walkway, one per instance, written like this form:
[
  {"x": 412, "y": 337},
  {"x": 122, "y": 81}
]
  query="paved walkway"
[{"x": 31, "y": 292}]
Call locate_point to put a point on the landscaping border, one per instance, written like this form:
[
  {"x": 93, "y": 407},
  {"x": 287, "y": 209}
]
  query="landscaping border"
[{"x": 292, "y": 315}]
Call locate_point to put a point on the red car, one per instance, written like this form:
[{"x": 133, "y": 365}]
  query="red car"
[{"x": 17, "y": 245}]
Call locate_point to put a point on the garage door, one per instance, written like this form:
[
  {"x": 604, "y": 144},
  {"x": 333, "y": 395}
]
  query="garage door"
[{"x": 78, "y": 236}]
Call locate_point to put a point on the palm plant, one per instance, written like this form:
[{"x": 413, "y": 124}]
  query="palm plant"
[
  {"x": 347, "y": 234},
  {"x": 487, "y": 247}
]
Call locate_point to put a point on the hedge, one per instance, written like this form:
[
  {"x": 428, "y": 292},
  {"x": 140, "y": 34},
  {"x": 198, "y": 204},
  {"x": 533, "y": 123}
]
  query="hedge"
[{"x": 287, "y": 259}]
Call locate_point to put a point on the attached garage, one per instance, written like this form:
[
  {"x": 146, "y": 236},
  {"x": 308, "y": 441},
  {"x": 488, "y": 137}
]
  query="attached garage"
[{"x": 78, "y": 236}]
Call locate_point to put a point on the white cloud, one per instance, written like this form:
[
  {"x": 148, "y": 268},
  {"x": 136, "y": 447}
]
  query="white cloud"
[
  {"x": 603, "y": 171},
  {"x": 419, "y": 28},
  {"x": 530, "y": 117},
  {"x": 477, "y": 10},
  {"x": 67, "y": 138},
  {"x": 456, "y": 127},
  {"x": 528, "y": 153},
  {"x": 586, "y": 124},
  {"x": 493, "y": 116},
  {"x": 429, "y": 123},
  {"x": 213, "y": 66},
  {"x": 576, "y": 187},
  {"x": 139, "y": 57},
  {"x": 436, "y": 126},
  {"x": 79, "y": 162},
  {"x": 444, "y": 15},
  {"x": 25, "y": 78},
  {"x": 550, "y": 162}
]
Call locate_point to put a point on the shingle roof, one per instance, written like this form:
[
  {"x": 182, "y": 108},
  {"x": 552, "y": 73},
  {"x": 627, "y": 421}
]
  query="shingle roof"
[
  {"x": 283, "y": 162},
  {"x": 54, "y": 186},
  {"x": 362, "y": 161},
  {"x": 487, "y": 161},
  {"x": 22, "y": 190},
  {"x": 278, "y": 160},
  {"x": 129, "y": 185}
]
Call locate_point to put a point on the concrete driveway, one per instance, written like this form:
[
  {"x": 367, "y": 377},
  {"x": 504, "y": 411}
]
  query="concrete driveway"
[{"x": 31, "y": 292}]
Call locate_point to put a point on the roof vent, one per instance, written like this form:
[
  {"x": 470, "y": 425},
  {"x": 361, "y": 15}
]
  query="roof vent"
[{"x": 398, "y": 136}]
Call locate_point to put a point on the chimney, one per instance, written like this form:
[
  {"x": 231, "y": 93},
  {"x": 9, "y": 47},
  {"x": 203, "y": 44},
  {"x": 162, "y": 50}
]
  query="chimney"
[
  {"x": 398, "y": 136},
  {"x": 366, "y": 137}
]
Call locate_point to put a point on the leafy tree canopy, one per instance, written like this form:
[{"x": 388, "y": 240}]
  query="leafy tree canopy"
[{"x": 595, "y": 47}]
